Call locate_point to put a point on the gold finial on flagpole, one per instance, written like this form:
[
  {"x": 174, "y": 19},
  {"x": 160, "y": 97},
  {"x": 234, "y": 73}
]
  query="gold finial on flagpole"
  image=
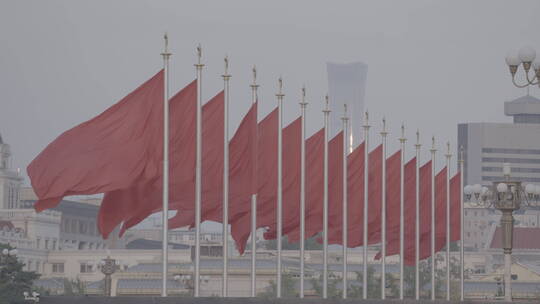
[
  {"x": 166, "y": 37},
  {"x": 226, "y": 59},
  {"x": 199, "y": 53},
  {"x": 326, "y": 105},
  {"x": 433, "y": 143},
  {"x": 166, "y": 53},
  {"x": 345, "y": 109},
  {"x": 402, "y": 130},
  {"x": 280, "y": 85},
  {"x": 461, "y": 154},
  {"x": 384, "y": 126},
  {"x": 254, "y": 71},
  {"x": 448, "y": 147},
  {"x": 303, "y": 102},
  {"x": 366, "y": 118}
]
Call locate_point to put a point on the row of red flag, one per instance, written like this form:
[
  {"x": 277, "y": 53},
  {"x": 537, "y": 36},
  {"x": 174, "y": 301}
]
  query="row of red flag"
[{"x": 119, "y": 153}]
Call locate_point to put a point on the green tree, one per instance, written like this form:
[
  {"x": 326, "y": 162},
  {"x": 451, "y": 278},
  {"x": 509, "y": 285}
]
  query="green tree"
[
  {"x": 333, "y": 291},
  {"x": 74, "y": 287},
  {"x": 287, "y": 288},
  {"x": 13, "y": 280},
  {"x": 374, "y": 285}
]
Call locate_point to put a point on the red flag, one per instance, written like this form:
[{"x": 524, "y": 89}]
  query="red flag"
[
  {"x": 375, "y": 195},
  {"x": 440, "y": 218},
  {"x": 455, "y": 207},
  {"x": 335, "y": 192},
  {"x": 393, "y": 201},
  {"x": 314, "y": 188},
  {"x": 355, "y": 201},
  {"x": 212, "y": 169},
  {"x": 106, "y": 153},
  {"x": 425, "y": 210},
  {"x": 242, "y": 182},
  {"x": 335, "y": 188},
  {"x": 292, "y": 137},
  {"x": 409, "y": 193},
  {"x": 355, "y": 196},
  {"x": 440, "y": 210},
  {"x": 122, "y": 204}
]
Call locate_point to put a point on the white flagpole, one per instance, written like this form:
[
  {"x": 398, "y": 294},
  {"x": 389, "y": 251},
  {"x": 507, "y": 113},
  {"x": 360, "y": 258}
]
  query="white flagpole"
[
  {"x": 402, "y": 140},
  {"x": 303, "y": 105},
  {"x": 280, "y": 182},
  {"x": 199, "y": 66},
  {"x": 165, "y": 224},
  {"x": 226, "y": 78},
  {"x": 326, "y": 112},
  {"x": 254, "y": 87},
  {"x": 417, "y": 220},
  {"x": 366, "y": 196},
  {"x": 448, "y": 156},
  {"x": 345, "y": 226},
  {"x": 433, "y": 266},
  {"x": 383, "y": 213},
  {"x": 461, "y": 224}
]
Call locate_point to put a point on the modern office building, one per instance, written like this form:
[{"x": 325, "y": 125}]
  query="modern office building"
[
  {"x": 347, "y": 85},
  {"x": 488, "y": 145}
]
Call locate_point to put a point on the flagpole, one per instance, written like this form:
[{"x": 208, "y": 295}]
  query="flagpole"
[
  {"x": 433, "y": 150},
  {"x": 448, "y": 156},
  {"x": 366, "y": 197},
  {"x": 346, "y": 141},
  {"x": 199, "y": 66},
  {"x": 383, "y": 213},
  {"x": 461, "y": 224},
  {"x": 254, "y": 87},
  {"x": 226, "y": 78},
  {"x": 279, "y": 96},
  {"x": 165, "y": 237},
  {"x": 303, "y": 105},
  {"x": 417, "y": 220},
  {"x": 402, "y": 140},
  {"x": 326, "y": 112}
]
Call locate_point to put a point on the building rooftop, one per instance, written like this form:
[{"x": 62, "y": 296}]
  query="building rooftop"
[{"x": 524, "y": 238}]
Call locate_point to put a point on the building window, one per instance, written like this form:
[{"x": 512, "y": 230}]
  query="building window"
[
  {"x": 58, "y": 267},
  {"x": 54, "y": 245},
  {"x": 73, "y": 226},
  {"x": 46, "y": 244},
  {"x": 86, "y": 268},
  {"x": 38, "y": 243}
]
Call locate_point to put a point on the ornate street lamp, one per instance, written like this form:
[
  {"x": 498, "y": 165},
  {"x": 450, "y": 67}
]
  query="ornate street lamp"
[
  {"x": 506, "y": 196},
  {"x": 525, "y": 57},
  {"x": 108, "y": 267}
]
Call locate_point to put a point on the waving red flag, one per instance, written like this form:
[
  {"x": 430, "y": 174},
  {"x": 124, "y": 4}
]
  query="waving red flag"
[
  {"x": 440, "y": 210},
  {"x": 242, "y": 182},
  {"x": 111, "y": 151},
  {"x": 355, "y": 201},
  {"x": 123, "y": 204},
  {"x": 375, "y": 195},
  {"x": 409, "y": 192},
  {"x": 455, "y": 207},
  {"x": 393, "y": 201},
  {"x": 314, "y": 188},
  {"x": 292, "y": 138},
  {"x": 425, "y": 210}
]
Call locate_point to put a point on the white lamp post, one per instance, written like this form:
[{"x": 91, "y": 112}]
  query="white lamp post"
[
  {"x": 526, "y": 57},
  {"x": 506, "y": 196}
]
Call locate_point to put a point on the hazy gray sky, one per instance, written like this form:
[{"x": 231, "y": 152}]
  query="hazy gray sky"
[{"x": 432, "y": 64}]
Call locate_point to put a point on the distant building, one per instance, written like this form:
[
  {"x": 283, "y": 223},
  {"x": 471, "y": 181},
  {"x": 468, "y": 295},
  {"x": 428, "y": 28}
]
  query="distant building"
[
  {"x": 10, "y": 181},
  {"x": 488, "y": 145},
  {"x": 347, "y": 85}
]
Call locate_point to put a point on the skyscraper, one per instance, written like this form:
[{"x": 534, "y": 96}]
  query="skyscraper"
[{"x": 347, "y": 85}]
